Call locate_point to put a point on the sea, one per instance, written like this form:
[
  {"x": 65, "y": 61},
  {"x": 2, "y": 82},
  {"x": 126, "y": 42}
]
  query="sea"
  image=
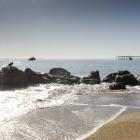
[{"x": 64, "y": 112}]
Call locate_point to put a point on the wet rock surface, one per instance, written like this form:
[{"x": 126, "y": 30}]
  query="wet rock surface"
[
  {"x": 12, "y": 77},
  {"x": 117, "y": 86}
]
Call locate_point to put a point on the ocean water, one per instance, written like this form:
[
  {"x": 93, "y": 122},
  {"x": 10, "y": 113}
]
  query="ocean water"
[{"x": 80, "y": 109}]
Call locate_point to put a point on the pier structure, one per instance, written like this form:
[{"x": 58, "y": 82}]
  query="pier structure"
[{"x": 128, "y": 57}]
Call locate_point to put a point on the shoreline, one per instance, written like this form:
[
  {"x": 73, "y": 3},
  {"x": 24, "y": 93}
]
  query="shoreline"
[
  {"x": 87, "y": 135},
  {"x": 125, "y": 126}
]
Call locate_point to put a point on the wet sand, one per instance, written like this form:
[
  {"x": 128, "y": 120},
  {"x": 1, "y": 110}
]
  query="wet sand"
[
  {"x": 124, "y": 127},
  {"x": 57, "y": 123}
]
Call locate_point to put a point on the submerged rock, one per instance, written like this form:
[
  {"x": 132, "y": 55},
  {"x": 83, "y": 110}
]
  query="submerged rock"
[{"x": 117, "y": 86}]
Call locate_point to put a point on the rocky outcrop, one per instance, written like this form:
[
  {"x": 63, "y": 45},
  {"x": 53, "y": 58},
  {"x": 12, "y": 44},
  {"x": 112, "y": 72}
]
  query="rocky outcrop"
[
  {"x": 13, "y": 77},
  {"x": 92, "y": 78},
  {"x": 117, "y": 86},
  {"x": 60, "y": 73}
]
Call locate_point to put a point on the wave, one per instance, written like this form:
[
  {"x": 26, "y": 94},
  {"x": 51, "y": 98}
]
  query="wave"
[{"x": 102, "y": 123}]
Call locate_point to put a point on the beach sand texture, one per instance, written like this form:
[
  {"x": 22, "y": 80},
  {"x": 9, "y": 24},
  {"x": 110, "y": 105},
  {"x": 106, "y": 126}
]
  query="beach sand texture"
[{"x": 125, "y": 127}]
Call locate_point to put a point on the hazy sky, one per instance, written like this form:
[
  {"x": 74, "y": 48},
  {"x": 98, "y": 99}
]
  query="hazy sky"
[{"x": 69, "y": 28}]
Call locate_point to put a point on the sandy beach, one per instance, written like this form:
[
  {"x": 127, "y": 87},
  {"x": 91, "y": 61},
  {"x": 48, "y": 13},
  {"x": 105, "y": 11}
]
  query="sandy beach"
[{"x": 124, "y": 127}]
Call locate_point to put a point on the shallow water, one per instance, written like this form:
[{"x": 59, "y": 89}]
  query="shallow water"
[{"x": 89, "y": 105}]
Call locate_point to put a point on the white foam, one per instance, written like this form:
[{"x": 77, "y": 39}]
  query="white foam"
[
  {"x": 102, "y": 124},
  {"x": 18, "y": 102}
]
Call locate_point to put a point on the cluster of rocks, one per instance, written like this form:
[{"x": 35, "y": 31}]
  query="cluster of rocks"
[
  {"x": 12, "y": 77},
  {"x": 120, "y": 79}
]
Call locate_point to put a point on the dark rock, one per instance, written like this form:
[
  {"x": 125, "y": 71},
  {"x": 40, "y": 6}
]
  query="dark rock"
[
  {"x": 110, "y": 78},
  {"x": 92, "y": 78},
  {"x": 117, "y": 86},
  {"x": 35, "y": 78},
  {"x": 123, "y": 72},
  {"x": 32, "y": 59},
  {"x": 128, "y": 79},
  {"x": 60, "y": 73},
  {"x": 10, "y": 64},
  {"x": 90, "y": 81},
  {"x": 94, "y": 75},
  {"x": 13, "y": 77},
  {"x": 70, "y": 81}
]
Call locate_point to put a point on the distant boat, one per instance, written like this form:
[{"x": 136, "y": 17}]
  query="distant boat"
[{"x": 32, "y": 59}]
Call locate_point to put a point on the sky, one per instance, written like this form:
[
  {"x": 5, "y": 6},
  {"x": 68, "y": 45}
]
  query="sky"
[{"x": 57, "y": 29}]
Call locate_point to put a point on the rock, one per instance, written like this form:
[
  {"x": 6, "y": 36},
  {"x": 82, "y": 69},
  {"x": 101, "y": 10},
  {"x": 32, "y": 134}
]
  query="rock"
[
  {"x": 123, "y": 72},
  {"x": 60, "y": 73},
  {"x": 138, "y": 77},
  {"x": 13, "y": 77},
  {"x": 110, "y": 78},
  {"x": 94, "y": 75},
  {"x": 90, "y": 81},
  {"x": 93, "y": 78},
  {"x": 70, "y": 81},
  {"x": 35, "y": 78},
  {"x": 10, "y": 64},
  {"x": 117, "y": 86},
  {"x": 32, "y": 59},
  {"x": 128, "y": 79}
]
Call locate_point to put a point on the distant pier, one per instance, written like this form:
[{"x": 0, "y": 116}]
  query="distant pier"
[{"x": 128, "y": 57}]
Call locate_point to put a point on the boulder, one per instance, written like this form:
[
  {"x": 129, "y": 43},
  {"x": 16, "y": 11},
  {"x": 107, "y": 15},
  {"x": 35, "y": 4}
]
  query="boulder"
[
  {"x": 59, "y": 73},
  {"x": 94, "y": 75},
  {"x": 92, "y": 78},
  {"x": 35, "y": 78},
  {"x": 32, "y": 59},
  {"x": 13, "y": 77},
  {"x": 117, "y": 86},
  {"x": 111, "y": 77},
  {"x": 128, "y": 79}
]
